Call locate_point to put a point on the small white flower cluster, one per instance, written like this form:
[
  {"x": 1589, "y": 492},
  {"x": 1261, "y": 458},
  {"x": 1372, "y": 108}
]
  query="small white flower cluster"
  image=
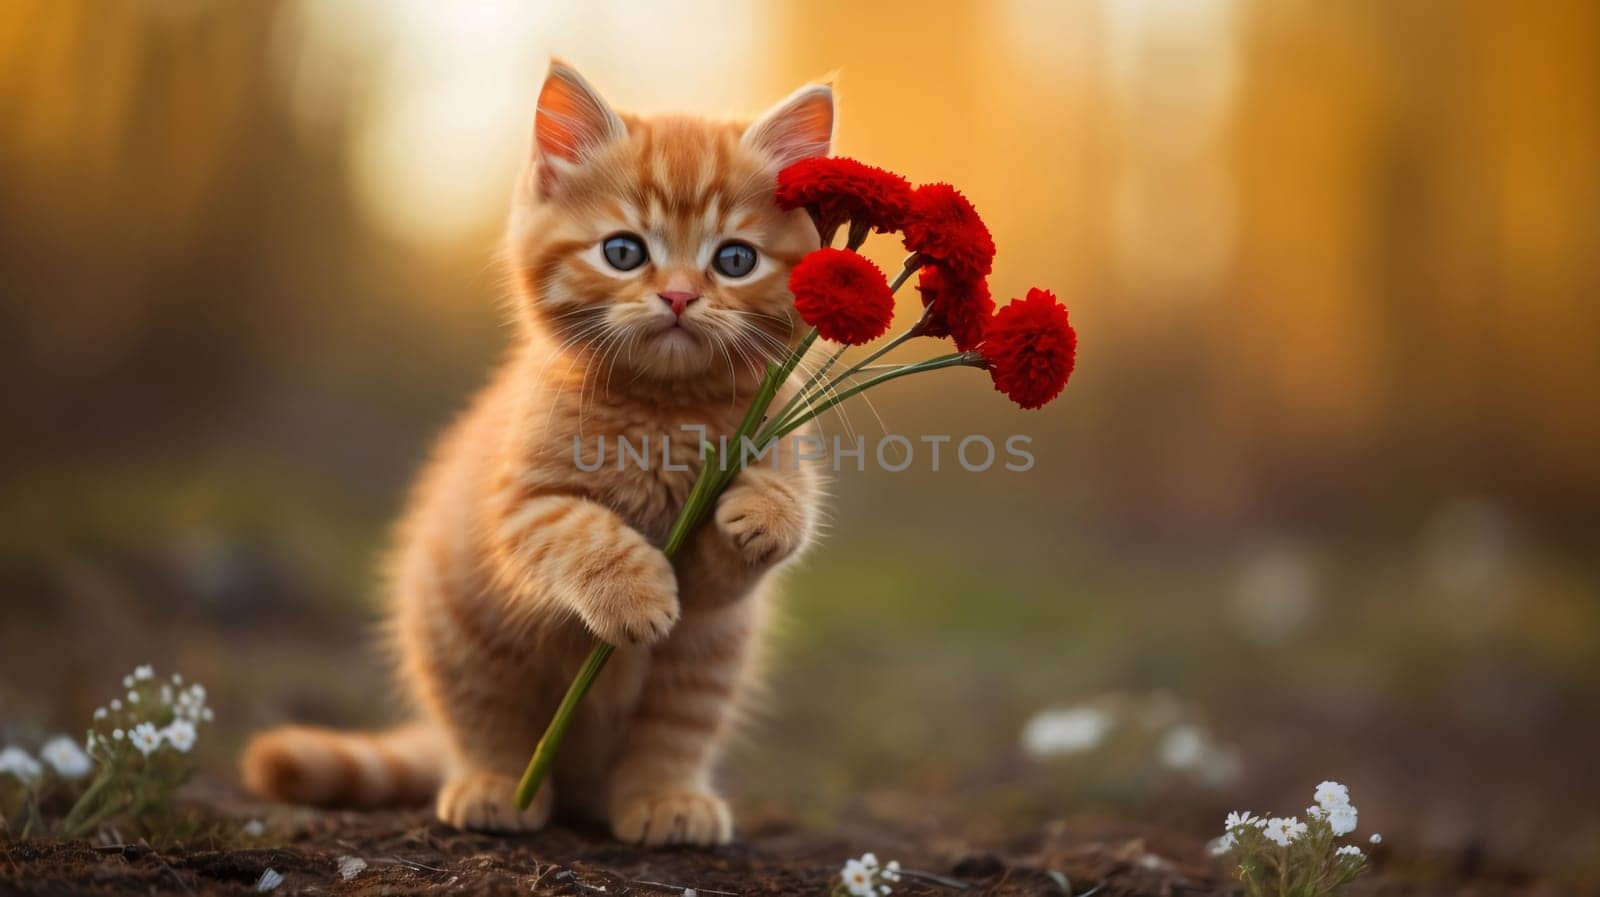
[
  {"x": 147, "y": 717},
  {"x": 135, "y": 750},
  {"x": 1155, "y": 725},
  {"x": 18, "y": 763},
  {"x": 1289, "y": 848},
  {"x": 1065, "y": 731},
  {"x": 1332, "y": 805},
  {"x": 64, "y": 755},
  {"x": 61, "y": 754},
  {"x": 155, "y": 715},
  {"x": 863, "y": 877},
  {"x": 1333, "y": 801},
  {"x": 1283, "y": 830}
]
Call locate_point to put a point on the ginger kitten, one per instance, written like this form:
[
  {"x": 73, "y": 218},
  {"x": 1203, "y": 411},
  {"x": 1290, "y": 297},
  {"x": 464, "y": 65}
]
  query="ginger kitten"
[{"x": 652, "y": 271}]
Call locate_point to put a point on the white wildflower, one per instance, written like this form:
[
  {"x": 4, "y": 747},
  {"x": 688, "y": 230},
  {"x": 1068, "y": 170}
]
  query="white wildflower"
[
  {"x": 1331, "y": 794},
  {"x": 16, "y": 762},
  {"x": 1183, "y": 748},
  {"x": 1283, "y": 830},
  {"x": 1151, "y": 861},
  {"x": 1238, "y": 818},
  {"x": 891, "y": 872},
  {"x": 350, "y": 867},
  {"x": 166, "y": 694},
  {"x": 870, "y": 860},
  {"x": 145, "y": 737},
  {"x": 133, "y": 697},
  {"x": 99, "y": 713},
  {"x": 177, "y": 678},
  {"x": 116, "y": 734},
  {"x": 65, "y": 757},
  {"x": 857, "y": 878},
  {"x": 144, "y": 671},
  {"x": 1349, "y": 850},
  {"x": 116, "y": 704},
  {"x": 269, "y": 880},
  {"x": 1222, "y": 845},
  {"x": 1065, "y": 731},
  {"x": 1342, "y": 819},
  {"x": 180, "y": 734},
  {"x": 255, "y": 828},
  {"x": 127, "y": 681},
  {"x": 206, "y": 714},
  {"x": 1375, "y": 839}
]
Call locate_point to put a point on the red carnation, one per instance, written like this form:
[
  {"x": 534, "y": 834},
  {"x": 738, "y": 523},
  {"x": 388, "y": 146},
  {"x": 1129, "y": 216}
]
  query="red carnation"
[
  {"x": 957, "y": 306},
  {"x": 843, "y": 295},
  {"x": 1031, "y": 348},
  {"x": 835, "y": 191},
  {"x": 944, "y": 227}
]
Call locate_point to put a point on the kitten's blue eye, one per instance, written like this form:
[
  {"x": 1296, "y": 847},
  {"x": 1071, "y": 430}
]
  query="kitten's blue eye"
[
  {"x": 624, "y": 252},
  {"x": 734, "y": 259}
]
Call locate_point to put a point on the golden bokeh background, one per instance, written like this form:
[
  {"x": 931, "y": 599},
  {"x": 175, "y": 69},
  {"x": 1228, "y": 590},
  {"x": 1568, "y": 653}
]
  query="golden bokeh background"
[{"x": 1334, "y": 267}]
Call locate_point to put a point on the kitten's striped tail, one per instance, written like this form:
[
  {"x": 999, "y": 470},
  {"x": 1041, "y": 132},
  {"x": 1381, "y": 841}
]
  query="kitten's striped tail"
[{"x": 325, "y": 768}]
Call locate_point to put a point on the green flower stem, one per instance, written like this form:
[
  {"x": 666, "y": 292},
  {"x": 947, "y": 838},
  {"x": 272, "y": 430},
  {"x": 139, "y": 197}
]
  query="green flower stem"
[
  {"x": 71, "y": 825},
  {"x": 108, "y": 811},
  {"x": 715, "y": 474},
  {"x": 550, "y": 742},
  {"x": 798, "y": 419}
]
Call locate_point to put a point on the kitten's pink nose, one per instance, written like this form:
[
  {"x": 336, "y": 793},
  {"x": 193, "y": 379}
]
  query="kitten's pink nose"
[{"x": 678, "y": 299}]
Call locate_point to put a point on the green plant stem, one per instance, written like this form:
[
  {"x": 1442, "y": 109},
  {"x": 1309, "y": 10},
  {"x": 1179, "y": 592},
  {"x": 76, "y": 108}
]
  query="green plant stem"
[
  {"x": 545, "y": 753},
  {"x": 71, "y": 824},
  {"x": 788, "y": 425}
]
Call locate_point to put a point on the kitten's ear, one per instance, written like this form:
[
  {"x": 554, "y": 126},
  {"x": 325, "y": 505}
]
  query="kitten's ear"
[
  {"x": 798, "y": 128},
  {"x": 572, "y": 120}
]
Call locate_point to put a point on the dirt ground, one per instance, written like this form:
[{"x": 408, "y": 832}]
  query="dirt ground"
[{"x": 408, "y": 853}]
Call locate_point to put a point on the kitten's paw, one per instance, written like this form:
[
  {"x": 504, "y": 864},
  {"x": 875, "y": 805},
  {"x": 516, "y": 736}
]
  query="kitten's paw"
[
  {"x": 681, "y": 816},
  {"x": 630, "y": 596},
  {"x": 486, "y": 802},
  {"x": 764, "y": 518}
]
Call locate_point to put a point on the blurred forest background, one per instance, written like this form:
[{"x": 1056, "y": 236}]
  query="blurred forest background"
[{"x": 1323, "y": 499}]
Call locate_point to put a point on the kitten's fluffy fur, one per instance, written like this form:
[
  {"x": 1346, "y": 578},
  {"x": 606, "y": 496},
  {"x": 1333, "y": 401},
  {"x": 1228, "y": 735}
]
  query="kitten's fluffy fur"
[{"x": 511, "y": 559}]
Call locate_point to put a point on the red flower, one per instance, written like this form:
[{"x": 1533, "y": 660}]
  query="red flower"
[
  {"x": 958, "y": 306},
  {"x": 843, "y": 295},
  {"x": 835, "y": 191},
  {"x": 1031, "y": 348},
  {"x": 944, "y": 227}
]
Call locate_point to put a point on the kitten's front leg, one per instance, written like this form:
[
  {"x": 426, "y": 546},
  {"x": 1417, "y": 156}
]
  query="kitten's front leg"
[
  {"x": 553, "y": 555},
  {"x": 768, "y": 515},
  {"x": 661, "y": 784},
  {"x": 558, "y": 552}
]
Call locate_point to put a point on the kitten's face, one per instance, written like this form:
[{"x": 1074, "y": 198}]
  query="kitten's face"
[{"x": 654, "y": 247}]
